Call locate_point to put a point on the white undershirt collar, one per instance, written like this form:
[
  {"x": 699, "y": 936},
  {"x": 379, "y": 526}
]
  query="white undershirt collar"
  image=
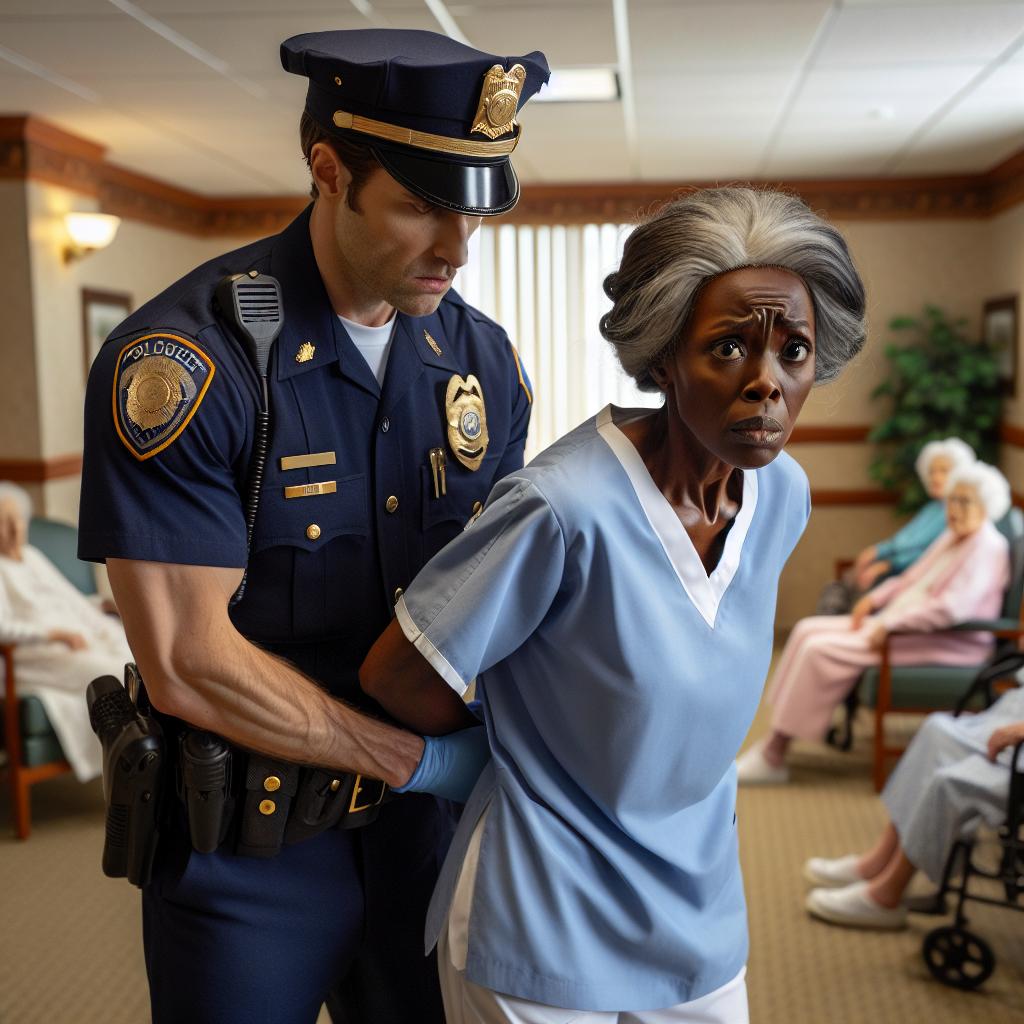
[{"x": 705, "y": 592}]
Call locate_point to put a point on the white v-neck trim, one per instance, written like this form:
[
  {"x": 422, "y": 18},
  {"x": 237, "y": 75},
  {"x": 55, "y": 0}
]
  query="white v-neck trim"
[{"x": 705, "y": 592}]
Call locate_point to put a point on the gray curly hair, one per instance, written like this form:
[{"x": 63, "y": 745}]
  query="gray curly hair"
[{"x": 710, "y": 232}]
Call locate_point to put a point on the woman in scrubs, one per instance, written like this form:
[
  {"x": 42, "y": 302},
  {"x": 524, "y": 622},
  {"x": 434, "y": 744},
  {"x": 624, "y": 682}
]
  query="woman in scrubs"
[{"x": 615, "y": 602}]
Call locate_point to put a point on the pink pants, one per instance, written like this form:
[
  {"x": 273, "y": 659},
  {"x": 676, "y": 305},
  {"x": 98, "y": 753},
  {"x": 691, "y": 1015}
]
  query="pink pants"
[{"x": 823, "y": 659}]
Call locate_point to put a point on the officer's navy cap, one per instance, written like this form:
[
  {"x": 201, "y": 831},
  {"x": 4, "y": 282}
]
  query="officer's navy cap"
[{"x": 439, "y": 115}]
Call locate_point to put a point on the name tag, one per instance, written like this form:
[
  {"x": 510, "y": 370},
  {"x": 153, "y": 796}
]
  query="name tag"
[
  {"x": 310, "y": 490},
  {"x": 308, "y": 461}
]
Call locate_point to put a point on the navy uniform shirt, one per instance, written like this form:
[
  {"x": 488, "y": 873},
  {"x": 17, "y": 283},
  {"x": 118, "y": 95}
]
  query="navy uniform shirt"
[{"x": 325, "y": 570}]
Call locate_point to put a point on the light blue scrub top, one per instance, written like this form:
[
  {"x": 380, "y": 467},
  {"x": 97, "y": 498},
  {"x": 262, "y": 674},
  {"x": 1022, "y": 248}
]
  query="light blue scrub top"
[
  {"x": 618, "y": 681},
  {"x": 910, "y": 542}
]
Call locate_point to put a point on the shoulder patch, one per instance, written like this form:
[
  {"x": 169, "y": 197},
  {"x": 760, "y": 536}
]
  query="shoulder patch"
[{"x": 159, "y": 382}]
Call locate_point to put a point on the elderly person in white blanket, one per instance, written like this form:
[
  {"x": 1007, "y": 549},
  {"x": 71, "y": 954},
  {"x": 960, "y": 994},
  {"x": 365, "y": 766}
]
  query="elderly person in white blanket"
[{"x": 63, "y": 639}]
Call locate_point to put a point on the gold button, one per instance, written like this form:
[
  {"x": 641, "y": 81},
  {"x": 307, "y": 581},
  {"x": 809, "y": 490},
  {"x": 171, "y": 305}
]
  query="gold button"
[
  {"x": 267, "y": 807},
  {"x": 477, "y": 508},
  {"x": 312, "y": 531},
  {"x": 391, "y": 504},
  {"x": 271, "y": 783},
  {"x": 335, "y": 785},
  {"x": 398, "y": 593},
  {"x": 337, "y": 79}
]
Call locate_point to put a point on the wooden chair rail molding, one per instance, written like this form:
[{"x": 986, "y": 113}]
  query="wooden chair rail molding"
[{"x": 31, "y": 148}]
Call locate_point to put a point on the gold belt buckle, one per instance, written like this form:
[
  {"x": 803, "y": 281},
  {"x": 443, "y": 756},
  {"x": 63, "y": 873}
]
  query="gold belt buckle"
[{"x": 357, "y": 788}]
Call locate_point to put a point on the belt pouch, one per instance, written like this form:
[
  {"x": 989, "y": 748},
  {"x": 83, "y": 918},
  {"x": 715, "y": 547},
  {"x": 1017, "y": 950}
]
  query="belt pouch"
[
  {"x": 319, "y": 803},
  {"x": 270, "y": 786}
]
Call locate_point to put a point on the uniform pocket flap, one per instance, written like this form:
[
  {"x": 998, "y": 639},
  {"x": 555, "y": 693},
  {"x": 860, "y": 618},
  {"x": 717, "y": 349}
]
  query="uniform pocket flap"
[{"x": 311, "y": 519}]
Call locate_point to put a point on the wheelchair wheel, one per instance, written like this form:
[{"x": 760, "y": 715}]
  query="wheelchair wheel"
[{"x": 957, "y": 957}]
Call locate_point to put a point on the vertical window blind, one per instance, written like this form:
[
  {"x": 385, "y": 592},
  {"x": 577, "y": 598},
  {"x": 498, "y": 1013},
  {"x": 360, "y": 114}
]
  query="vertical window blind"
[{"x": 543, "y": 284}]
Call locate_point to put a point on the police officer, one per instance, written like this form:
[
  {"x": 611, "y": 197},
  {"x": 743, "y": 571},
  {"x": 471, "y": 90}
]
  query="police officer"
[{"x": 394, "y": 406}]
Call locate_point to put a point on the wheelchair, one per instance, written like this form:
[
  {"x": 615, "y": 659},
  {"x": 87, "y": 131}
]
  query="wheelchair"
[{"x": 953, "y": 954}]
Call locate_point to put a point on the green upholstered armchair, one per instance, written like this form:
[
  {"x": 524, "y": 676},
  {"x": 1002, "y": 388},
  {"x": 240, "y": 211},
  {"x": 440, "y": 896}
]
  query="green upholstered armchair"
[
  {"x": 921, "y": 689},
  {"x": 33, "y": 750}
]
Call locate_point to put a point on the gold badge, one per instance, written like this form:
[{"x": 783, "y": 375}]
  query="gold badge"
[
  {"x": 305, "y": 353},
  {"x": 155, "y": 391},
  {"x": 433, "y": 344},
  {"x": 467, "y": 420},
  {"x": 499, "y": 98}
]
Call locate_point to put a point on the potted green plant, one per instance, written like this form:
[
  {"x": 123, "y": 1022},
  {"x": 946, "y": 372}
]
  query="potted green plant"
[{"x": 941, "y": 383}]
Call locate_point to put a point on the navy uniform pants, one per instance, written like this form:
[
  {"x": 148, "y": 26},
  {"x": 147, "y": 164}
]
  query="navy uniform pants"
[{"x": 238, "y": 940}]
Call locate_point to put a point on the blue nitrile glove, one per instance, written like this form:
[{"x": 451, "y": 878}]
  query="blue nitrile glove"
[{"x": 450, "y": 764}]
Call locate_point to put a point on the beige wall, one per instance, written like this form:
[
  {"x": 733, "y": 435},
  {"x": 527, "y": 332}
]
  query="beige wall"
[
  {"x": 19, "y": 421},
  {"x": 1008, "y": 279}
]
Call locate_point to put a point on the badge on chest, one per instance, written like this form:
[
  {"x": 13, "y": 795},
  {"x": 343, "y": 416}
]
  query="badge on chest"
[{"x": 467, "y": 420}]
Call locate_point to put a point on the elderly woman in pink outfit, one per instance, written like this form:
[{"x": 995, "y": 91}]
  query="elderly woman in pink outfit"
[{"x": 963, "y": 575}]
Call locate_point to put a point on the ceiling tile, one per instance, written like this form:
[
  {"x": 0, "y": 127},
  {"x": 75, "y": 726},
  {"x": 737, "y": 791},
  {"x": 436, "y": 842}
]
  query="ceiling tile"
[
  {"x": 671, "y": 37},
  {"x": 700, "y": 156},
  {"x": 663, "y": 97},
  {"x": 987, "y": 123},
  {"x": 253, "y": 43},
  {"x": 597, "y": 152},
  {"x": 951, "y": 33},
  {"x": 77, "y": 45},
  {"x": 564, "y": 35}
]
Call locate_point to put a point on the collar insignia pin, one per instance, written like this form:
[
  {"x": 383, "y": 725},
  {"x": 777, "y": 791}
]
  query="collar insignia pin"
[
  {"x": 433, "y": 344},
  {"x": 305, "y": 353},
  {"x": 499, "y": 98}
]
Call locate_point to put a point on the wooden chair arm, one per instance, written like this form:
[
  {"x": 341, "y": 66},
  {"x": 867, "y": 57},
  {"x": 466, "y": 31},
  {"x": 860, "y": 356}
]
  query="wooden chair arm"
[{"x": 12, "y": 732}]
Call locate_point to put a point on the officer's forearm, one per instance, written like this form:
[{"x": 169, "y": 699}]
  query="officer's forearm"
[
  {"x": 402, "y": 681},
  {"x": 198, "y": 668},
  {"x": 261, "y": 702}
]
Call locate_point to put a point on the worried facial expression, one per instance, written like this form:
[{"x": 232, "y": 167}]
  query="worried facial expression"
[
  {"x": 400, "y": 248},
  {"x": 744, "y": 364}
]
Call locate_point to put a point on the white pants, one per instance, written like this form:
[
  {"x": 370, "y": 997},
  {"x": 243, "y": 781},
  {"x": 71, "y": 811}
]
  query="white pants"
[{"x": 468, "y": 1003}]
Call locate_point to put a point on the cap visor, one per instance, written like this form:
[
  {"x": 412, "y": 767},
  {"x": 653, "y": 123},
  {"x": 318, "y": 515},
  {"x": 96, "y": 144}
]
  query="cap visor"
[{"x": 480, "y": 190}]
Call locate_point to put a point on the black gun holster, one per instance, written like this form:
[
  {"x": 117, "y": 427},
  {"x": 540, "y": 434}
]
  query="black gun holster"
[{"x": 134, "y": 766}]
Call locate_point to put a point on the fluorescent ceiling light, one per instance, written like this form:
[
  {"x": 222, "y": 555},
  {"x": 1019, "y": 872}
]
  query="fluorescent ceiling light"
[{"x": 580, "y": 85}]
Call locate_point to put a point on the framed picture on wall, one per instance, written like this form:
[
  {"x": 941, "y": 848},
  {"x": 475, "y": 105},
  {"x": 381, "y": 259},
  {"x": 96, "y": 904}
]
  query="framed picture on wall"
[
  {"x": 101, "y": 313},
  {"x": 999, "y": 329}
]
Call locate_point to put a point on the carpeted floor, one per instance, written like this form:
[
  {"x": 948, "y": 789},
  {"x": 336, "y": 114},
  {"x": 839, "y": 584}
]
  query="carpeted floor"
[{"x": 70, "y": 948}]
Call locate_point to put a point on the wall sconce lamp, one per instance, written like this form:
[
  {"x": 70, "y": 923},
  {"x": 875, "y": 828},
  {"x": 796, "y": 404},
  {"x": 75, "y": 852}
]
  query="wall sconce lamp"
[{"x": 88, "y": 232}]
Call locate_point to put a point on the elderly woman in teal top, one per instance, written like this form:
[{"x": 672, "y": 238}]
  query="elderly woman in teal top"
[
  {"x": 615, "y": 603},
  {"x": 935, "y": 461}
]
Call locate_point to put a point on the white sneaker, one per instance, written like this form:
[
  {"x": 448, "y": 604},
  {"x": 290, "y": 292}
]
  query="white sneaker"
[
  {"x": 852, "y": 906},
  {"x": 754, "y": 769},
  {"x": 833, "y": 872}
]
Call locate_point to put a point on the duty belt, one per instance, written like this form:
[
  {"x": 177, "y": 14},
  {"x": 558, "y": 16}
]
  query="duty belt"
[
  {"x": 255, "y": 803},
  {"x": 286, "y": 803}
]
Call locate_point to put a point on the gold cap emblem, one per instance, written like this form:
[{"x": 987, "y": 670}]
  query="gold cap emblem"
[
  {"x": 499, "y": 98},
  {"x": 467, "y": 420},
  {"x": 305, "y": 353}
]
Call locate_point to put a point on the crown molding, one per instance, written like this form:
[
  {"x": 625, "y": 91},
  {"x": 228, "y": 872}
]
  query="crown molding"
[{"x": 33, "y": 149}]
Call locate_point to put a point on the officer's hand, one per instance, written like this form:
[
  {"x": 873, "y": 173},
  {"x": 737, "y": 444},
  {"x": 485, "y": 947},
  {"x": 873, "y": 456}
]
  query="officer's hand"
[
  {"x": 450, "y": 764},
  {"x": 75, "y": 641}
]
